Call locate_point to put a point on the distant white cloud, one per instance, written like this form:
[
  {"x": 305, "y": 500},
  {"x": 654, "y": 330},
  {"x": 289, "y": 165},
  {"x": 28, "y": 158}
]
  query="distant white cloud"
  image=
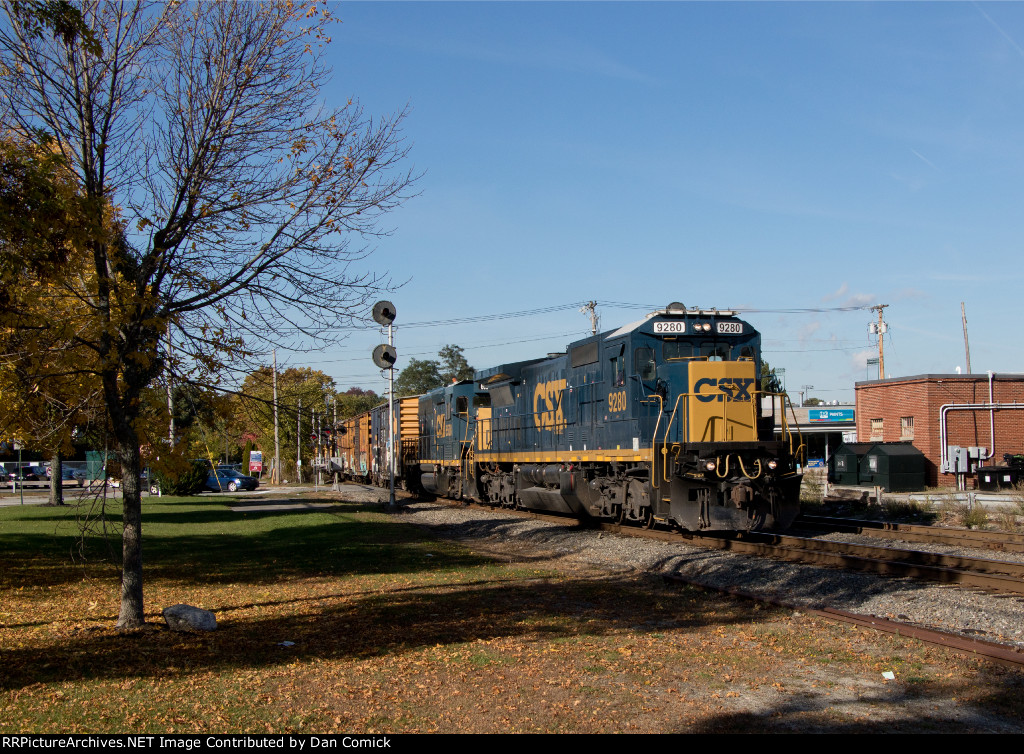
[
  {"x": 860, "y": 299},
  {"x": 843, "y": 289},
  {"x": 858, "y": 366},
  {"x": 808, "y": 330},
  {"x": 845, "y": 298}
]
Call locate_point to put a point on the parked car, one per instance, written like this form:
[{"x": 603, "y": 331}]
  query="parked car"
[
  {"x": 73, "y": 475},
  {"x": 28, "y": 474},
  {"x": 228, "y": 479}
]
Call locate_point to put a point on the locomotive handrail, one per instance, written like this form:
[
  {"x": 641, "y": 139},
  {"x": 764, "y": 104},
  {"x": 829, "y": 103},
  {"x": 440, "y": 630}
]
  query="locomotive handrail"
[
  {"x": 802, "y": 445},
  {"x": 668, "y": 428},
  {"x": 654, "y": 438},
  {"x": 787, "y": 433}
]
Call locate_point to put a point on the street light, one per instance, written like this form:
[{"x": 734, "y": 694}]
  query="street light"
[
  {"x": 869, "y": 363},
  {"x": 806, "y": 389}
]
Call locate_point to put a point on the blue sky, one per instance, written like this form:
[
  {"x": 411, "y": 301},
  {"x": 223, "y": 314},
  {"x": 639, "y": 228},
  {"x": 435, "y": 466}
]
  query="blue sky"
[{"x": 766, "y": 156}]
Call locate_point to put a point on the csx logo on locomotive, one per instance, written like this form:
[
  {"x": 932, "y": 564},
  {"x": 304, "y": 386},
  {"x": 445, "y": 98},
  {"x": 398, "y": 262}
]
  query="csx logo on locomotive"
[
  {"x": 547, "y": 405},
  {"x": 708, "y": 389}
]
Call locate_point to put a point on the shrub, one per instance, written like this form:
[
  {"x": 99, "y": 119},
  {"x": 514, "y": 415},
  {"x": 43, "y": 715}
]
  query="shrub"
[{"x": 177, "y": 475}]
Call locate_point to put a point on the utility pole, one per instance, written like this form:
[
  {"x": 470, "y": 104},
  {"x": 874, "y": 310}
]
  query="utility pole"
[
  {"x": 275, "y": 478},
  {"x": 334, "y": 444},
  {"x": 880, "y": 329},
  {"x": 967, "y": 345},
  {"x": 298, "y": 444},
  {"x": 591, "y": 307}
]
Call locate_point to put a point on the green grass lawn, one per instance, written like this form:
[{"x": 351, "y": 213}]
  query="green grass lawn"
[{"x": 393, "y": 630}]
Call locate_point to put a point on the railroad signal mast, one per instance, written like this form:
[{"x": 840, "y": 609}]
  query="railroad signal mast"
[
  {"x": 384, "y": 356},
  {"x": 880, "y": 328}
]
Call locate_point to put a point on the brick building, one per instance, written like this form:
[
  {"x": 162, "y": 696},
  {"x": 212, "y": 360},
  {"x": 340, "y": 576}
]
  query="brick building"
[{"x": 911, "y": 408}]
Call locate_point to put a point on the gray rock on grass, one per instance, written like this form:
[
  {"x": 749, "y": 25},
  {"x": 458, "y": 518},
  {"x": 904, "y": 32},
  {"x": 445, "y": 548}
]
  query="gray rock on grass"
[{"x": 188, "y": 618}]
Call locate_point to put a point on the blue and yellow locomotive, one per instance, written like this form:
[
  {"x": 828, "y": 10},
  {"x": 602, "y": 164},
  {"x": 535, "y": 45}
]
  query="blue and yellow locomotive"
[{"x": 662, "y": 420}]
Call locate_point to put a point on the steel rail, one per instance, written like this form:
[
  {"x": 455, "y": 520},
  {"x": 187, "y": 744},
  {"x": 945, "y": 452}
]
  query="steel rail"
[
  {"x": 995, "y": 652},
  {"x": 992, "y": 575},
  {"x": 989, "y": 540},
  {"x": 1001, "y": 654}
]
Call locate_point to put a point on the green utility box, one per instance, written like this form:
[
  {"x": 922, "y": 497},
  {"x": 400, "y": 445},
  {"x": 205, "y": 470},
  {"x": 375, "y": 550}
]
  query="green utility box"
[
  {"x": 844, "y": 465},
  {"x": 893, "y": 466}
]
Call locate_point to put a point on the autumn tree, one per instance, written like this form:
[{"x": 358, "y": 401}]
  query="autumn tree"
[
  {"x": 222, "y": 199},
  {"x": 300, "y": 391},
  {"x": 47, "y": 388},
  {"x": 419, "y": 376},
  {"x": 452, "y": 365},
  {"x": 422, "y": 376},
  {"x": 356, "y": 401}
]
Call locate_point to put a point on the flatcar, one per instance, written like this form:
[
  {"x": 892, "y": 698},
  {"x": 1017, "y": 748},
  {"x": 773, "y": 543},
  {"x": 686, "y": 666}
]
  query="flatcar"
[{"x": 661, "y": 421}]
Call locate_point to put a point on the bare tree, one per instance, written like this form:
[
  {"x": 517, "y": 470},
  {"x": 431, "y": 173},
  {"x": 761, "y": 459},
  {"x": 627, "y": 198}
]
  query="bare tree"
[{"x": 224, "y": 199}]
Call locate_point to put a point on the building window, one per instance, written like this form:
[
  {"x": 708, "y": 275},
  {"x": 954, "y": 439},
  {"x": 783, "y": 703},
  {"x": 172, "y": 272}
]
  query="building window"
[
  {"x": 876, "y": 429},
  {"x": 906, "y": 427}
]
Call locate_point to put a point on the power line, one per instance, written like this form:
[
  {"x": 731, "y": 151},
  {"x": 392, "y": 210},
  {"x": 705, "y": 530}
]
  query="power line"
[{"x": 745, "y": 310}]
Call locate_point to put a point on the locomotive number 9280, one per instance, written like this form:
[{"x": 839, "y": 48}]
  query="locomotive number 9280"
[{"x": 676, "y": 444}]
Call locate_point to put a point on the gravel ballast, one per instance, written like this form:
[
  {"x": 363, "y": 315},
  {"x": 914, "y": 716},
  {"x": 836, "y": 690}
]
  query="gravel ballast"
[{"x": 968, "y": 612}]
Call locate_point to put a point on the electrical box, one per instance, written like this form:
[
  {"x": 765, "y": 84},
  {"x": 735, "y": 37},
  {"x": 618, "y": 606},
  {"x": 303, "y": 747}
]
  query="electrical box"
[{"x": 958, "y": 460}]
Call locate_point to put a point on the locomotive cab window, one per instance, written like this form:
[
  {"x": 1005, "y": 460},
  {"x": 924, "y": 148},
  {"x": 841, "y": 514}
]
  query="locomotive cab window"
[
  {"x": 714, "y": 351},
  {"x": 746, "y": 352},
  {"x": 618, "y": 378},
  {"x": 618, "y": 364},
  {"x": 674, "y": 349},
  {"x": 462, "y": 405},
  {"x": 481, "y": 400},
  {"x": 644, "y": 364}
]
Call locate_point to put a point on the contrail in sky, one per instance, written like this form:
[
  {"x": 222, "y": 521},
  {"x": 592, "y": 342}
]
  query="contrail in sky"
[
  {"x": 995, "y": 26},
  {"x": 923, "y": 158}
]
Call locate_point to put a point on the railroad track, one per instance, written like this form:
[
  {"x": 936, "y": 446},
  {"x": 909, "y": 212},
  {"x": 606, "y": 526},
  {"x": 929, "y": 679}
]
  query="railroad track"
[
  {"x": 994, "y": 575},
  {"x": 1000, "y": 576},
  {"x": 985, "y": 540}
]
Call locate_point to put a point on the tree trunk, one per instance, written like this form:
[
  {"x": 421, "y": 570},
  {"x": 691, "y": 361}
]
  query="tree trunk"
[
  {"x": 132, "y": 614},
  {"x": 57, "y": 478}
]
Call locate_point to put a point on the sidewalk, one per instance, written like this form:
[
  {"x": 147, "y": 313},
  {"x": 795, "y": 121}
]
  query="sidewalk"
[{"x": 41, "y": 495}]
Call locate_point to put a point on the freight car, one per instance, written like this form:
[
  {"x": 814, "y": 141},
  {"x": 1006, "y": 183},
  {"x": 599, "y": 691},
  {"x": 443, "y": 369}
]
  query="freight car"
[
  {"x": 362, "y": 443},
  {"x": 661, "y": 421}
]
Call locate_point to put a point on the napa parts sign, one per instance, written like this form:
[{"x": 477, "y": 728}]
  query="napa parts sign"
[
  {"x": 830, "y": 415},
  {"x": 256, "y": 460}
]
